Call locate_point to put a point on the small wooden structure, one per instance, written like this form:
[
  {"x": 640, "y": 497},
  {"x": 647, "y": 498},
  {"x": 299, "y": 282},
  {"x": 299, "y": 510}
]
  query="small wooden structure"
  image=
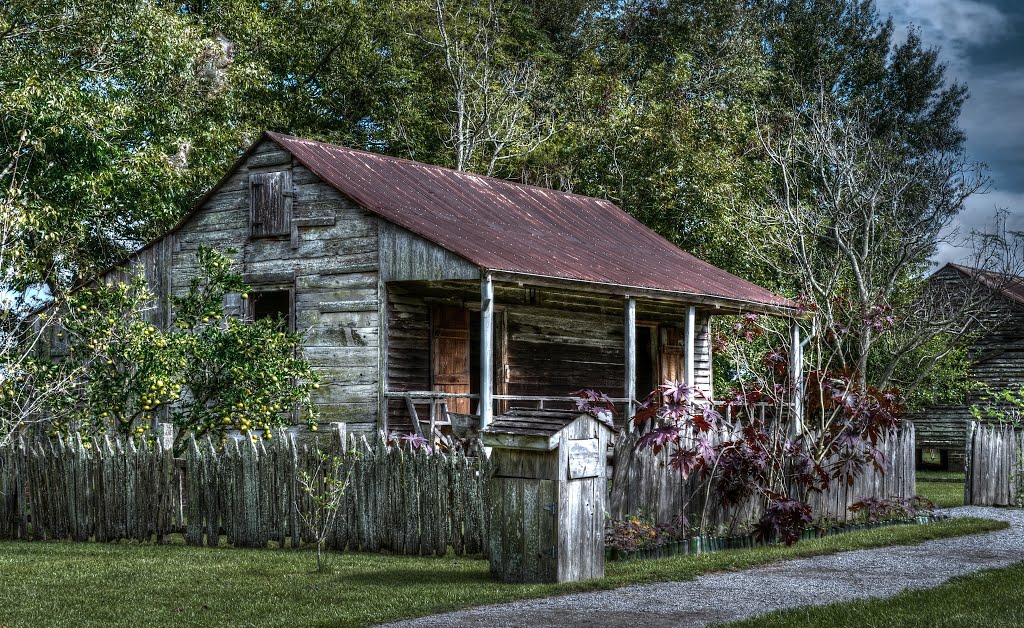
[
  {"x": 995, "y": 351},
  {"x": 547, "y": 495}
]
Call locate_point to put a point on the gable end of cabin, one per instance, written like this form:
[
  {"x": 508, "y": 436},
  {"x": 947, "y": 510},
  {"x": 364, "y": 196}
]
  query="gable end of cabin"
[{"x": 311, "y": 256}]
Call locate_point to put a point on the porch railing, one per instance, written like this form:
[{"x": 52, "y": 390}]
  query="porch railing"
[
  {"x": 439, "y": 410},
  {"x": 439, "y": 400}
]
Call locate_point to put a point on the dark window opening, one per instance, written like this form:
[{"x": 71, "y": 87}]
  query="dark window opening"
[
  {"x": 646, "y": 360},
  {"x": 273, "y": 304},
  {"x": 931, "y": 459}
]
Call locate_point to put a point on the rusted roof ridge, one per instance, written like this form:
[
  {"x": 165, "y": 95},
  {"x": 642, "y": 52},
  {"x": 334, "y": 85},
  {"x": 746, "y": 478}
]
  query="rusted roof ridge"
[
  {"x": 1010, "y": 286},
  {"x": 517, "y": 228}
]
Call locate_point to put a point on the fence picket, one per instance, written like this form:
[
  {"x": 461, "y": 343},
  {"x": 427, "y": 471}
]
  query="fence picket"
[{"x": 645, "y": 484}]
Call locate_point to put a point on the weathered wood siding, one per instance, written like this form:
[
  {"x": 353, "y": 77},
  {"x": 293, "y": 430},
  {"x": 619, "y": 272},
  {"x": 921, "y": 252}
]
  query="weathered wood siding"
[
  {"x": 555, "y": 341},
  {"x": 328, "y": 260},
  {"x": 404, "y": 256},
  {"x": 547, "y": 524},
  {"x": 997, "y": 360}
]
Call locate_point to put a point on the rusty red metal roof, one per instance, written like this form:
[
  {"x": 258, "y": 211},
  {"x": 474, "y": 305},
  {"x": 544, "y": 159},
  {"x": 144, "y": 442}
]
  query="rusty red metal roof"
[
  {"x": 505, "y": 226},
  {"x": 1010, "y": 286}
]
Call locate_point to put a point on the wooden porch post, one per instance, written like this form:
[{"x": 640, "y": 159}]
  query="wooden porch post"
[
  {"x": 796, "y": 372},
  {"x": 691, "y": 344},
  {"x": 630, "y": 350},
  {"x": 486, "y": 350}
]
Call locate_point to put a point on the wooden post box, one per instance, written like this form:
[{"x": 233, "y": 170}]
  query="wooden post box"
[{"x": 548, "y": 495}]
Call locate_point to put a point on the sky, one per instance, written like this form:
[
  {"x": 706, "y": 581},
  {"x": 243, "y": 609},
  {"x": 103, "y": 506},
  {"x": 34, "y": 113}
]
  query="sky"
[{"x": 982, "y": 44}]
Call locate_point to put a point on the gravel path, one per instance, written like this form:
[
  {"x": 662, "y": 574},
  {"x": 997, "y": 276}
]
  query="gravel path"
[{"x": 807, "y": 581}]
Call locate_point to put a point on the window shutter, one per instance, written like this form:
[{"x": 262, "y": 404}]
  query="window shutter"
[{"x": 269, "y": 215}]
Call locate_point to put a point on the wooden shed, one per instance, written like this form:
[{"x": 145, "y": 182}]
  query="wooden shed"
[
  {"x": 424, "y": 291},
  {"x": 996, "y": 355}
]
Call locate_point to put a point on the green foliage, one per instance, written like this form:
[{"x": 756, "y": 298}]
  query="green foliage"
[
  {"x": 209, "y": 373},
  {"x": 121, "y": 367},
  {"x": 999, "y": 405},
  {"x": 324, "y": 487},
  {"x": 937, "y": 372},
  {"x": 106, "y": 108},
  {"x": 129, "y": 109}
]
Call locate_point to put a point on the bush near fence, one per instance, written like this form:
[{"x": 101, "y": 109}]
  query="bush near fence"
[
  {"x": 645, "y": 483},
  {"x": 994, "y": 470},
  {"x": 402, "y": 501}
]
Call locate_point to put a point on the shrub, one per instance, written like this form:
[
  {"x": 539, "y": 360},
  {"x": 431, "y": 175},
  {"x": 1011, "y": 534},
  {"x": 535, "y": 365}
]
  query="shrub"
[{"x": 208, "y": 373}]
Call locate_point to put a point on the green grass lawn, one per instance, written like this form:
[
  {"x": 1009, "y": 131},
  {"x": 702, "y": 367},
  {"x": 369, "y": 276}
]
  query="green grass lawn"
[
  {"x": 130, "y": 584},
  {"x": 940, "y": 476},
  {"x": 944, "y": 488},
  {"x": 993, "y": 599}
]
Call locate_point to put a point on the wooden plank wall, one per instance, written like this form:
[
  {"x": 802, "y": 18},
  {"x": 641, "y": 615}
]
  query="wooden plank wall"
[
  {"x": 645, "y": 484},
  {"x": 329, "y": 261},
  {"x": 995, "y": 465},
  {"x": 408, "y": 346},
  {"x": 245, "y": 495},
  {"x": 997, "y": 360}
]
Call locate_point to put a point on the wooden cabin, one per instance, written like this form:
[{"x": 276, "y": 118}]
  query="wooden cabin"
[
  {"x": 996, "y": 355},
  {"x": 428, "y": 292}
]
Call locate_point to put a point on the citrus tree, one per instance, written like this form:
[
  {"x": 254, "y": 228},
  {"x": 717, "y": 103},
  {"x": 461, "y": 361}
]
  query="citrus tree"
[{"x": 207, "y": 373}]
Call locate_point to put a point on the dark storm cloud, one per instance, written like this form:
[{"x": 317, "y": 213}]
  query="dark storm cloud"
[{"x": 982, "y": 45}]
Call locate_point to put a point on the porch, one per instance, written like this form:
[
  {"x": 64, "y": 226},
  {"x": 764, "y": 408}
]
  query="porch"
[{"x": 458, "y": 352}]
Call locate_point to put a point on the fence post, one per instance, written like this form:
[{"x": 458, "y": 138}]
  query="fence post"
[{"x": 969, "y": 464}]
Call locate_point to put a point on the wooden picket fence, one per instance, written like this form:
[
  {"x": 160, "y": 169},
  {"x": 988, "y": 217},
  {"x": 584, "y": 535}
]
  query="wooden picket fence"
[
  {"x": 402, "y": 501},
  {"x": 406, "y": 502},
  {"x": 994, "y": 465},
  {"x": 645, "y": 484}
]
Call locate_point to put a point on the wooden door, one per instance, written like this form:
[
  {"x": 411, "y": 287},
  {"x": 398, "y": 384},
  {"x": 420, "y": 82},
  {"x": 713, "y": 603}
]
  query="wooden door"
[
  {"x": 672, "y": 354},
  {"x": 450, "y": 354}
]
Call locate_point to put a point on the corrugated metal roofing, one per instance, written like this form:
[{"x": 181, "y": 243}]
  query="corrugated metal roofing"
[
  {"x": 1010, "y": 286},
  {"x": 505, "y": 226}
]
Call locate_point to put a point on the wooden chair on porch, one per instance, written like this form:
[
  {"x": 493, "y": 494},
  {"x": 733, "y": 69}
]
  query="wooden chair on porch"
[{"x": 438, "y": 417}]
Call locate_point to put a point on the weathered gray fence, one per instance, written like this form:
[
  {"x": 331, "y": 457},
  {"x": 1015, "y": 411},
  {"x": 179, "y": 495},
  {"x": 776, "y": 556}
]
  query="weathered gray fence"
[
  {"x": 644, "y": 483},
  {"x": 994, "y": 465},
  {"x": 410, "y": 502}
]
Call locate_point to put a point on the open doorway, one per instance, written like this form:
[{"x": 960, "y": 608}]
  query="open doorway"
[{"x": 646, "y": 359}]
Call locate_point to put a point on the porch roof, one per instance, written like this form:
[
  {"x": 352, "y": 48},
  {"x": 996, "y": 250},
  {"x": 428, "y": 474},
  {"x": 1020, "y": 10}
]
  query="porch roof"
[{"x": 508, "y": 227}]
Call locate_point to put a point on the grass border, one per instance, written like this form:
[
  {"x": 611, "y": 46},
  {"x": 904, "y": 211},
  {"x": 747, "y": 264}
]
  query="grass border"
[
  {"x": 186, "y": 585},
  {"x": 989, "y": 597}
]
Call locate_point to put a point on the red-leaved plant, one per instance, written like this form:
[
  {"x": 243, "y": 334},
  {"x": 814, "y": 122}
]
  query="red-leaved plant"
[{"x": 753, "y": 443}]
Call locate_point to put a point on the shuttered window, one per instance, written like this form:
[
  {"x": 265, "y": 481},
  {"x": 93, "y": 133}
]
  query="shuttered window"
[{"x": 269, "y": 209}]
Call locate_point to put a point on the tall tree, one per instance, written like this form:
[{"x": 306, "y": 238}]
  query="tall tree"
[
  {"x": 854, "y": 222},
  {"x": 118, "y": 118}
]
